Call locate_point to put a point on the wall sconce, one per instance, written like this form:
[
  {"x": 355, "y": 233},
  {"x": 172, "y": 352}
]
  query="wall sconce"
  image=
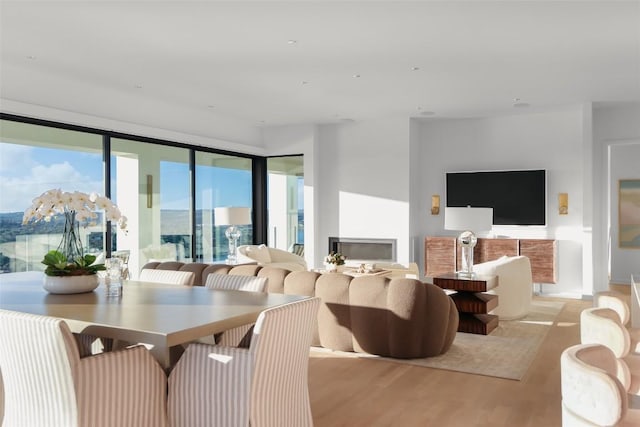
[
  {"x": 149, "y": 191},
  {"x": 563, "y": 203},
  {"x": 435, "y": 204}
]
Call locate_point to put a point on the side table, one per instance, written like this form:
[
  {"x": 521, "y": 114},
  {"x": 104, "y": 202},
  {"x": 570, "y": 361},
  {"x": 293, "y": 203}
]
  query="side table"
[{"x": 472, "y": 303}]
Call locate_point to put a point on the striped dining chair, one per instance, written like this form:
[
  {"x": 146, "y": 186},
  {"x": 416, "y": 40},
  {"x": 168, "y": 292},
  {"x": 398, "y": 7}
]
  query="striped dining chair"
[
  {"x": 263, "y": 385},
  {"x": 46, "y": 383},
  {"x": 233, "y": 337},
  {"x": 171, "y": 277}
]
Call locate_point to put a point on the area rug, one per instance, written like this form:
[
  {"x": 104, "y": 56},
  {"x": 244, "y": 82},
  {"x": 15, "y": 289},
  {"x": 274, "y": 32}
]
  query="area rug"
[{"x": 505, "y": 353}]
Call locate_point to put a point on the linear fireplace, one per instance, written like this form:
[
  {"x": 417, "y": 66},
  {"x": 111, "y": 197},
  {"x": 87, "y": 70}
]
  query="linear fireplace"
[{"x": 364, "y": 249}]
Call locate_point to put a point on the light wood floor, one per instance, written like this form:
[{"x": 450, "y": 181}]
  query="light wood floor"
[{"x": 360, "y": 392}]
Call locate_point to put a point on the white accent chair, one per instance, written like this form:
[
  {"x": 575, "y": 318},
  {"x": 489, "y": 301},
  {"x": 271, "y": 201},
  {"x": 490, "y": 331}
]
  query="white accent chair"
[
  {"x": 615, "y": 301},
  {"x": 171, "y": 277},
  {"x": 264, "y": 385},
  {"x": 592, "y": 393},
  {"x": 46, "y": 383},
  {"x": 602, "y": 326},
  {"x": 515, "y": 285},
  {"x": 233, "y": 337},
  {"x": 273, "y": 257}
]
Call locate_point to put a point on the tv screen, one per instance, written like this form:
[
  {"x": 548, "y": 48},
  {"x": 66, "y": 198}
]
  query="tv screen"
[{"x": 517, "y": 197}]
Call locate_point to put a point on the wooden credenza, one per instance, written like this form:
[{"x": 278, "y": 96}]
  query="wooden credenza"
[{"x": 442, "y": 255}]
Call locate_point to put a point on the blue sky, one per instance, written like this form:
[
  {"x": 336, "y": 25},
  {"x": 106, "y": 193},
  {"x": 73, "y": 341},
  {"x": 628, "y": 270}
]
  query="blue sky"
[{"x": 26, "y": 172}]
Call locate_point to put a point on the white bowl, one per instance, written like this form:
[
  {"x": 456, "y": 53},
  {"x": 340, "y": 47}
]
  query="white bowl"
[{"x": 70, "y": 284}]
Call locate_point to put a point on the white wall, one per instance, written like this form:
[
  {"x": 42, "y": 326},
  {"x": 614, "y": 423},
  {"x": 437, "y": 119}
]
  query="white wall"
[
  {"x": 302, "y": 139},
  {"x": 613, "y": 128},
  {"x": 625, "y": 164},
  {"x": 551, "y": 141},
  {"x": 363, "y": 182}
]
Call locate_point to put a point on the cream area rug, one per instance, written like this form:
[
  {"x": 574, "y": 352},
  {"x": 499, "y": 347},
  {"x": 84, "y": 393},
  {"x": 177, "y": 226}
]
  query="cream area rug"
[{"x": 505, "y": 353}]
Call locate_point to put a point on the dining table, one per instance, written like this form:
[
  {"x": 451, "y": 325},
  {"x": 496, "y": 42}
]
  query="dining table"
[{"x": 162, "y": 316}]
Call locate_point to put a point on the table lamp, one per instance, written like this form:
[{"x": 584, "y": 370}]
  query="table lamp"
[
  {"x": 232, "y": 216},
  {"x": 467, "y": 219}
]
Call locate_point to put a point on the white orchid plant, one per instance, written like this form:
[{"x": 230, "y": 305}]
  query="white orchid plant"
[
  {"x": 69, "y": 259},
  {"x": 56, "y": 201}
]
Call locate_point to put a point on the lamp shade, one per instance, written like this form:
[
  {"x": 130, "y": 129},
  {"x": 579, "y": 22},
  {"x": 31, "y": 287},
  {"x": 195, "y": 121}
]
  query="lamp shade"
[
  {"x": 232, "y": 216},
  {"x": 474, "y": 219}
]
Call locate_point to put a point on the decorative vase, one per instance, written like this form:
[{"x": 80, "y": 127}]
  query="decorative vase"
[
  {"x": 331, "y": 267},
  {"x": 71, "y": 244},
  {"x": 70, "y": 284}
]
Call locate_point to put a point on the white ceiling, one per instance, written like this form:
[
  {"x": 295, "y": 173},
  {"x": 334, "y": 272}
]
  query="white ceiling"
[{"x": 199, "y": 67}]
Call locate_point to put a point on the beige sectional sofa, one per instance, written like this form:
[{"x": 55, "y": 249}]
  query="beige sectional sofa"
[{"x": 394, "y": 317}]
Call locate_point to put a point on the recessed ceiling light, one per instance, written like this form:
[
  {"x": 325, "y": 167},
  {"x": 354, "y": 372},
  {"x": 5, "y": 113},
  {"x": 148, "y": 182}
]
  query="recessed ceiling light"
[
  {"x": 356, "y": 76},
  {"x": 291, "y": 41},
  {"x": 518, "y": 104},
  {"x": 415, "y": 68}
]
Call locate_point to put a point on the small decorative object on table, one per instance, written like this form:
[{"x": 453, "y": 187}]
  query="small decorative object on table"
[
  {"x": 333, "y": 260},
  {"x": 69, "y": 270},
  {"x": 113, "y": 277}
]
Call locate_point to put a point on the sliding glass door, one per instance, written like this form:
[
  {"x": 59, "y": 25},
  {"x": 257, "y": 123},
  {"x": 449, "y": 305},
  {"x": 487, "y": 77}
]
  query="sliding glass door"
[
  {"x": 168, "y": 191},
  {"x": 285, "y": 187},
  {"x": 221, "y": 181},
  {"x": 152, "y": 185}
]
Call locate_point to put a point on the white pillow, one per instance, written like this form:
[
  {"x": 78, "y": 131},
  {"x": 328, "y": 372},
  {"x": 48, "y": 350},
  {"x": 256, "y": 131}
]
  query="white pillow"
[{"x": 259, "y": 253}]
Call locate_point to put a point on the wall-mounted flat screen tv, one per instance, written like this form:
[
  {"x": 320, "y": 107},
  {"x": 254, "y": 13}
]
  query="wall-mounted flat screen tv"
[{"x": 518, "y": 197}]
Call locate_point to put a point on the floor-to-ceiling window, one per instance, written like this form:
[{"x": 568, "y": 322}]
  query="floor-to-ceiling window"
[
  {"x": 221, "y": 181},
  {"x": 34, "y": 159},
  {"x": 151, "y": 184},
  {"x": 167, "y": 190},
  {"x": 285, "y": 201}
]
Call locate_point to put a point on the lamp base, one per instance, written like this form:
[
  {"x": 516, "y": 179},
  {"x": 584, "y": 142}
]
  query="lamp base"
[
  {"x": 465, "y": 274},
  {"x": 467, "y": 241},
  {"x": 233, "y": 234}
]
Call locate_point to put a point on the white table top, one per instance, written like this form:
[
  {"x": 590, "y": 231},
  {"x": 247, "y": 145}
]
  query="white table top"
[{"x": 161, "y": 315}]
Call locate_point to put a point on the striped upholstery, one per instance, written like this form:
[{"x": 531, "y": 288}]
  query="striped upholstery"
[
  {"x": 237, "y": 283},
  {"x": 47, "y": 384},
  {"x": 298, "y": 249},
  {"x": 233, "y": 337},
  {"x": 171, "y": 277},
  {"x": 264, "y": 385}
]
